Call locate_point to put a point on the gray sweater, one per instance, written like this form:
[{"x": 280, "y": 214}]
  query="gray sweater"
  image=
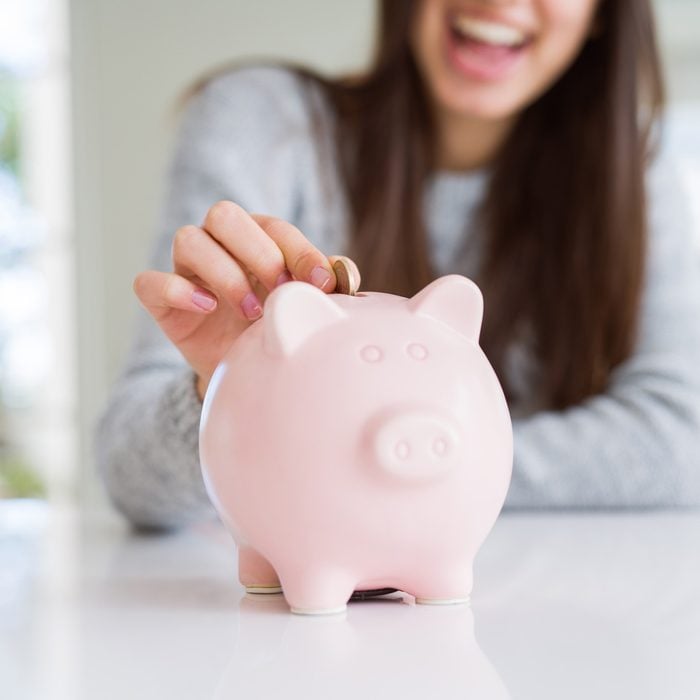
[{"x": 250, "y": 137}]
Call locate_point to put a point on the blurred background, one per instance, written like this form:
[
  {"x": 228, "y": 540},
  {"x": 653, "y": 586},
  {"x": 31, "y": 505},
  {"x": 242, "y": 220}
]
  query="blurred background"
[{"x": 88, "y": 111}]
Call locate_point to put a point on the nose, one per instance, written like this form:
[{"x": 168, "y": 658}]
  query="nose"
[{"x": 415, "y": 445}]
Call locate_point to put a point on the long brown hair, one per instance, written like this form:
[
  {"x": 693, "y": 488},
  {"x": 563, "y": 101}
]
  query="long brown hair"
[{"x": 563, "y": 219}]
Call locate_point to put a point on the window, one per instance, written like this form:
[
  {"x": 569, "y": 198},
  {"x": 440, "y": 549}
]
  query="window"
[{"x": 37, "y": 434}]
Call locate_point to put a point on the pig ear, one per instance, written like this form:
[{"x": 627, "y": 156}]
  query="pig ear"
[
  {"x": 454, "y": 300},
  {"x": 293, "y": 312}
]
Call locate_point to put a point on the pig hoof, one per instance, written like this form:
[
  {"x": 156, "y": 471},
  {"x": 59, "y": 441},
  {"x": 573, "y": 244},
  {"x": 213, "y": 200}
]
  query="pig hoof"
[
  {"x": 443, "y": 601},
  {"x": 320, "y": 611},
  {"x": 262, "y": 588}
]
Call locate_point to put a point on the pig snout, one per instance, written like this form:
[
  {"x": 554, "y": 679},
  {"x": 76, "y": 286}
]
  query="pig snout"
[{"x": 415, "y": 444}]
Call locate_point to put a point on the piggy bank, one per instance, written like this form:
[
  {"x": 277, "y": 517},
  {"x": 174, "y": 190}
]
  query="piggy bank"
[{"x": 359, "y": 442}]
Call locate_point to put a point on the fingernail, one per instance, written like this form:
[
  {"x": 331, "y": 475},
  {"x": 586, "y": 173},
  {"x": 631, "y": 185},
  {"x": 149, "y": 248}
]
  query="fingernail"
[
  {"x": 204, "y": 301},
  {"x": 320, "y": 277},
  {"x": 284, "y": 277},
  {"x": 251, "y": 306}
]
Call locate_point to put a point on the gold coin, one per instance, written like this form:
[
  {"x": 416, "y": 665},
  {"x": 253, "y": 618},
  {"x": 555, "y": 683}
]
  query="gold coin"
[{"x": 347, "y": 275}]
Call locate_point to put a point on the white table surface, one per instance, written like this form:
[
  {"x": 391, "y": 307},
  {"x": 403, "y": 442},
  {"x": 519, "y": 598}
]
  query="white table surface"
[{"x": 565, "y": 606}]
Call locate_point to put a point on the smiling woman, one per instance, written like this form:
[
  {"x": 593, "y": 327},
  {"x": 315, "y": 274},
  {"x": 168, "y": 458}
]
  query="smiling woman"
[{"x": 536, "y": 175}]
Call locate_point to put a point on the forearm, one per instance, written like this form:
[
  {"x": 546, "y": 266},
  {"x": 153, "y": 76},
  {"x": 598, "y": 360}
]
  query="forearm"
[
  {"x": 634, "y": 447},
  {"x": 147, "y": 449}
]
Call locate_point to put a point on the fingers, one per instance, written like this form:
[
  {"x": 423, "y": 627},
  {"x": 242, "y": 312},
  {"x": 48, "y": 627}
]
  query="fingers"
[
  {"x": 160, "y": 292},
  {"x": 196, "y": 253},
  {"x": 267, "y": 247},
  {"x": 302, "y": 258},
  {"x": 238, "y": 258},
  {"x": 239, "y": 234}
]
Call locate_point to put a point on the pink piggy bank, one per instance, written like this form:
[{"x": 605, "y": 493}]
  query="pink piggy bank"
[{"x": 358, "y": 442}]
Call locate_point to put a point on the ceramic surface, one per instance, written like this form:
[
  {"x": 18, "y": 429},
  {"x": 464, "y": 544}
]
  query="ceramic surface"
[{"x": 358, "y": 442}]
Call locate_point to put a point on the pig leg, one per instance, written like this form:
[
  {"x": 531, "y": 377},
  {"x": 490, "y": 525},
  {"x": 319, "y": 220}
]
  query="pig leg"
[
  {"x": 256, "y": 573},
  {"x": 318, "y": 590},
  {"x": 444, "y": 585}
]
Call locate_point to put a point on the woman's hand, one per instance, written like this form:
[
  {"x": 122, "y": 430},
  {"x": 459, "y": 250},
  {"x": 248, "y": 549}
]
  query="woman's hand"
[{"x": 222, "y": 274}]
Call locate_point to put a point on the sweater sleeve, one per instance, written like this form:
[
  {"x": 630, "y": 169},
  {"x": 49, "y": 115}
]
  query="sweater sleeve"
[
  {"x": 636, "y": 445},
  {"x": 238, "y": 140}
]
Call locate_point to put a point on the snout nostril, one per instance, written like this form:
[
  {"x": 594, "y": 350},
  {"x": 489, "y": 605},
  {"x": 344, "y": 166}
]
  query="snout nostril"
[
  {"x": 440, "y": 447},
  {"x": 402, "y": 449}
]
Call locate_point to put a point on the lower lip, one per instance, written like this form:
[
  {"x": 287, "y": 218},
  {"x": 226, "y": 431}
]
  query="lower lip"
[{"x": 481, "y": 61}]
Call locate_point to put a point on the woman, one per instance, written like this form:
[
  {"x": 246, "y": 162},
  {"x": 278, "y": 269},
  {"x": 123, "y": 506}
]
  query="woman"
[{"x": 507, "y": 140}]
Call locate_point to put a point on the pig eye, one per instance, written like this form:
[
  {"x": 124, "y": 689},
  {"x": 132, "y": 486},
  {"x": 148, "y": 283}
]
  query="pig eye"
[
  {"x": 371, "y": 353},
  {"x": 417, "y": 351}
]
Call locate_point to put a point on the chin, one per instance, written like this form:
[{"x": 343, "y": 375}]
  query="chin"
[{"x": 477, "y": 102}]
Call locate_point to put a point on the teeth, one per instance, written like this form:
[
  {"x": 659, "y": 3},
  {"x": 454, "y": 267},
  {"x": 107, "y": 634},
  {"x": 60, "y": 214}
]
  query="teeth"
[{"x": 488, "y": 32}]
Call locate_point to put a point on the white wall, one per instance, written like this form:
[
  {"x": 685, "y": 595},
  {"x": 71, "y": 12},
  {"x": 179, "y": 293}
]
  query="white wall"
[
  {"x": 131, "y": 60},
  {"x": 680, "y": 37},
  {"x": 679, "y": 33}
]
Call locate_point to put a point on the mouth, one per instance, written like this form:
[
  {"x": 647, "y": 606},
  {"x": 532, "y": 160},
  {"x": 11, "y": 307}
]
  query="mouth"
[{"x": 485, "y": 49}]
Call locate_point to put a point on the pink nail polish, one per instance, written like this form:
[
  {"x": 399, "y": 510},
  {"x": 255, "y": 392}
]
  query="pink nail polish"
[
  {"x": 251, "y": 306},
  {"x": 284, "y": 277},
  {"x": 204, "y": 301},
  {"x": 320, "y": 277}
]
